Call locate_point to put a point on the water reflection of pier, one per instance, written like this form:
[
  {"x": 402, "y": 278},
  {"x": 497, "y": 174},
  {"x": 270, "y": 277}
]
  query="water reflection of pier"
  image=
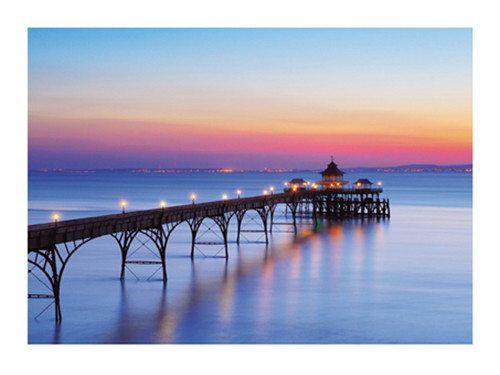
[{"x": 217, "y": 306}]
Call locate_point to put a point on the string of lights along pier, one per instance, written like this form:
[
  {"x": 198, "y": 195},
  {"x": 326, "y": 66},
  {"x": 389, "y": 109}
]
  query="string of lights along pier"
[{"x": 51, "y": 245}]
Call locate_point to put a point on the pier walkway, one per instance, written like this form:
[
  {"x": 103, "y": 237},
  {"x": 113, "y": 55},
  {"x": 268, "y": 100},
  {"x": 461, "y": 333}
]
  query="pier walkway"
[{"x": 51, "y": 245}]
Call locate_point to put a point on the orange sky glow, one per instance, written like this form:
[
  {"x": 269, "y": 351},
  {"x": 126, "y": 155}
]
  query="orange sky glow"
[{"x": 278, "y": 107}]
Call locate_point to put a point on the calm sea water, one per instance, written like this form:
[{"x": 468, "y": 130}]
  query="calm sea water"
[{"x": 407, "y": 279}]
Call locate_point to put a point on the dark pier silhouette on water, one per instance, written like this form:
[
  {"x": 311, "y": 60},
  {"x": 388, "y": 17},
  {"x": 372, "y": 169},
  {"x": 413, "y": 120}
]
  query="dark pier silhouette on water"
[{"x": 51, "y": 245}]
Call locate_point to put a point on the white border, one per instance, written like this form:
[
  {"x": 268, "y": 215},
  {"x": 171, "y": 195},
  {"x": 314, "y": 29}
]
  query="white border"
[{"x": 17, "y": 355}]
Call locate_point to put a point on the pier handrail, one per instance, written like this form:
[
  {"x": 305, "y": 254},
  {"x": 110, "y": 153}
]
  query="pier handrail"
[{"x": 96, "y": 226}]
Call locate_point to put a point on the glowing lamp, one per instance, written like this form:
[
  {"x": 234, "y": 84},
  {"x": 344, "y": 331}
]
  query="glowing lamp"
[
  {"x": 272, "y": 189},
  {"x": 224, "y": 196},
  {"x": 358, "y": 184},
  {"x": 379, "y": 183},
  {"x": 163, "y": 204},
  {"x": 124, "y": 204},
  {"x": 315, "y": 186},
  {"x": 238, "y": 192},
  {"x": 294, "y": 188},
  {"x": 55, "y": 217},
  {"x": 193, "y": 197},
  {"x": 265, "y": 192}
]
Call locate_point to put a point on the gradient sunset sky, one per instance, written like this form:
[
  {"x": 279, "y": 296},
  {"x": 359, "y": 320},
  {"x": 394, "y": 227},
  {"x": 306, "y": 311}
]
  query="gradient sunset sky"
[{"x": 248, "y": 98}]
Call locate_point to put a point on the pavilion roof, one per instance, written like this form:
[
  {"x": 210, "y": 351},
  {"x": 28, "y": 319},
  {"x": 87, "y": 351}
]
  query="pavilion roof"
[
  {"x": 364, "y": 181},
  {"x": 332, "y": 169},
  {"x": 297, "y": 181}
]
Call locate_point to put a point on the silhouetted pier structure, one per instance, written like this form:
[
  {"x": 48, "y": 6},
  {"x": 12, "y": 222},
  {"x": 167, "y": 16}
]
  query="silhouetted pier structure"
[{"x": 51, "y": 245}]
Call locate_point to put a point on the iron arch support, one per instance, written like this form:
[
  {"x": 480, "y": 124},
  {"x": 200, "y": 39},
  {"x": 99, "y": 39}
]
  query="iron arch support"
[
  {"x": 264, "y": 214},
  {"x": 240, "y": 214},
  {"x": 124, "y": 240},
  {"x": 222, "y": 221},
  {"x": 52, "y": 263},
  {"x": 160, "y": 236}
]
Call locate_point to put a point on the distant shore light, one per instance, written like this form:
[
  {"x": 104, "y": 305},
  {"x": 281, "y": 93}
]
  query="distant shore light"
[{"x": 379, "y": 183}]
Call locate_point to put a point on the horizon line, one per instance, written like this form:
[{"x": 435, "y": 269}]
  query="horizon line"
[{"x": 414, "y": 167}]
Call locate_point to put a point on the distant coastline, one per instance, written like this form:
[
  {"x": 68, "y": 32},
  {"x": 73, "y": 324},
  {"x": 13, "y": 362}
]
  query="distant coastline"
[{"x": 410, "y": 168}]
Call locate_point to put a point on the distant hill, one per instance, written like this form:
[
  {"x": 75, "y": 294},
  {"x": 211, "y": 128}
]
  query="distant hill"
[{"x": 414, "y": 168}]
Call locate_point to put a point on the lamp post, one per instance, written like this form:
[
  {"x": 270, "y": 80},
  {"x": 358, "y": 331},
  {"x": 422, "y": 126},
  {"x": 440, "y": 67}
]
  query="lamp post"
[
  {"x": 123, "y": 203},
  {"x": 265, "y": 192},
  {"x": 193, "y": 197},
  {"x": 224, "y": 196},
  {"x": 272, "y": 189},
  {"x": 55, "y": 217},
  {"x": 163, "y": 204},
  {"x": 238, "y": 192}
]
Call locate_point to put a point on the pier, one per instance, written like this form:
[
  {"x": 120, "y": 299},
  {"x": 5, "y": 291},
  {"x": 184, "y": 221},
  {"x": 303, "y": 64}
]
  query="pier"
[{"x": 51, "y": 245}]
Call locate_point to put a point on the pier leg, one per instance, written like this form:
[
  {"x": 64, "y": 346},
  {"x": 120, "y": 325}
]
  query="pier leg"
[
  {"x": 239, "y": 231},
  {"x": 293, "y": 209},
  {"x": 56, "y": 285},
  {"x": 224, "y": 234},
  {"x": 239, "y": 220},
  {"x": 264, "y": 221},
  {"x": 193, "y": 241},
  {"x": 194, "y": 224},
  {"x": 263, "y": 213},
  {"x": 223, "y": 223},
  {"x": 124, "y": 240},
  {"x": 314, "y": 214},
  {"x": 162, "y": 249},
  {"x": 272, "y": 218}
]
